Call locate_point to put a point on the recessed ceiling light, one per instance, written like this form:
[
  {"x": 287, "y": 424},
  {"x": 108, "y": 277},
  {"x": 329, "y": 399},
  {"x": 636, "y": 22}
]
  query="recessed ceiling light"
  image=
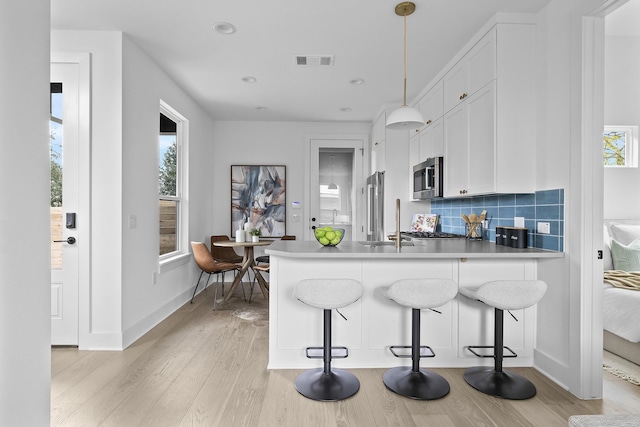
[
  {"x": 261, "y": 108},
  {"x": 224, "y": 28},
  {"x": 357, "y": 82},
  {"x": 345, "y": 109},
  {"x": 249, "y": 79}
]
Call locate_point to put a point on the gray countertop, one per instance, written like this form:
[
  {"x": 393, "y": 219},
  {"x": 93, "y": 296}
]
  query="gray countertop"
[{"x": 432, "y": 248}]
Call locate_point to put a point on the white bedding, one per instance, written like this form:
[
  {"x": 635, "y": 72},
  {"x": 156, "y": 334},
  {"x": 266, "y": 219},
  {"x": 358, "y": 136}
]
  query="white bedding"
[{"x": 621, "y": 309}]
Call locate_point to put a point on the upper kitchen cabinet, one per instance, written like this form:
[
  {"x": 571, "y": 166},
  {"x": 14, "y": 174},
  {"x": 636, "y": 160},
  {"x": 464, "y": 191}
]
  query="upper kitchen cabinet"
[
  {"x": 378, "y": 137},
  {"x": 472, "y": 72},
  {"x": 431, "y": 105},
  {"x": 490, "y": 127}
]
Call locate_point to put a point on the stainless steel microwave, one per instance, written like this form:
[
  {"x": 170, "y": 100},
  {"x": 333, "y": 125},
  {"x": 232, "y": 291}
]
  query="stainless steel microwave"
[{"x": 427, "y": 179}]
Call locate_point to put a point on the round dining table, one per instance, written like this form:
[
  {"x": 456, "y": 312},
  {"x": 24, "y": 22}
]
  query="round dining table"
[{"x": 248, "y": 262}]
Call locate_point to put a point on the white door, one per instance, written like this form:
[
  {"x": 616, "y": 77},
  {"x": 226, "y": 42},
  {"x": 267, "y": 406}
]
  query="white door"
[
  {"x": 335, "y": 186},
  {"x": 65, "y": 221}
]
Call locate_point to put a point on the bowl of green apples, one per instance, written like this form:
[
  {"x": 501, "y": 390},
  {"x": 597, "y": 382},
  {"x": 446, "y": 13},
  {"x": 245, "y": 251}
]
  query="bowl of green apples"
[{"x": 329, "y": 236}]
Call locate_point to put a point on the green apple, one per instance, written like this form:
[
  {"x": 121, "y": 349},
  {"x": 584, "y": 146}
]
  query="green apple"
[
  {"x": 330, "y": 235},
  {"x": 324, "y": 241},
  {"x": 319, "y": 232}
]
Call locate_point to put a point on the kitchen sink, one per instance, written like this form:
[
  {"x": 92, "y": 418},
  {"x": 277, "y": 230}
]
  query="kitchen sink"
[{"x": 385, "y": 243}]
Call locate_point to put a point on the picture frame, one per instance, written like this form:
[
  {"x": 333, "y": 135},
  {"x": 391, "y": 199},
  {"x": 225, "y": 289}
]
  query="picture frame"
[{"x": 258, "y": 195}]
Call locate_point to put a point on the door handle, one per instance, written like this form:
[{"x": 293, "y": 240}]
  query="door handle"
[{"x": 69, "y": 240}]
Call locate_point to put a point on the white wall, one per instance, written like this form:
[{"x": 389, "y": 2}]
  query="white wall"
[
  {"x": 144, "y": 303},
  {"x": 563, "y": 350},
  {"x": 264, "y": 143},
  {"x": 126, "y": 91},
  {"x": 621, "y": 107},
  {"x": 25, "y": 310}
]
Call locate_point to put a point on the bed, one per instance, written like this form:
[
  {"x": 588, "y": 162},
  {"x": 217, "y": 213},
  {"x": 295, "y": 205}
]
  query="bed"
[{"x": 621, "y": 307}]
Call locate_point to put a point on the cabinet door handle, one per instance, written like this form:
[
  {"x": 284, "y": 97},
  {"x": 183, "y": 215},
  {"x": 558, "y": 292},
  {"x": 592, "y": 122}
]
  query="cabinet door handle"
[{"x": 463, "y": 96}]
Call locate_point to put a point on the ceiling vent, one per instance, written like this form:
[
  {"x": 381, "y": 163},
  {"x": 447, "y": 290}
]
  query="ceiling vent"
[{"x": 314, "y": 60}]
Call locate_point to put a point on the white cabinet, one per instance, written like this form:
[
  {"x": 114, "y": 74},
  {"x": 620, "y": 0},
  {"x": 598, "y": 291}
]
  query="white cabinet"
[
  {"x": 431, "y": 106},
  {"x": 378, "y": 136},
  {"x": 470, "y": 145},
  {"x": 378, "y": 156},
  {"x": 490, "y": 131},
  {"x": 432, "y": 140},
  {"x": 472, "y": 72}
]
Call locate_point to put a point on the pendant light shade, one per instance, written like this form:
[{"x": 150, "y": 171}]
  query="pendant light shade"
[{"x": 405, "y": 117}]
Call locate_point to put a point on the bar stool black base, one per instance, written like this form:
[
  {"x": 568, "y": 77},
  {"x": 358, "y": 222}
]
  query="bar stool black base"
[
  {"x": 336, "y": 385},
  {"x": 505, "y": 384},
  {"x": 421, "y": 385}
]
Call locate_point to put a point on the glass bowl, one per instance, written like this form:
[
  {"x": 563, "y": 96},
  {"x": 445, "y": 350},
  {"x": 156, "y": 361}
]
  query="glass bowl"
[{"x": 329, "y": 236}]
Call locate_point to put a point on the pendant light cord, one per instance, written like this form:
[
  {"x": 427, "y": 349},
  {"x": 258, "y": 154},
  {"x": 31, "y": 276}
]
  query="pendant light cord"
[{"x": 404, "y": 99}]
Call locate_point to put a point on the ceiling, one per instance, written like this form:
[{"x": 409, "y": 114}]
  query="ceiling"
[{"x": 365, "y": 37}]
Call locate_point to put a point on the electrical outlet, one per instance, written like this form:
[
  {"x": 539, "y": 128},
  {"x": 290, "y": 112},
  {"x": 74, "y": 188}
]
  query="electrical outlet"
[
  {"x": 133, "y": 221},
  {"x": 518, "y": 221},
  {"x": 154, "y": 278},
  {"x": 544, "y": 228}
]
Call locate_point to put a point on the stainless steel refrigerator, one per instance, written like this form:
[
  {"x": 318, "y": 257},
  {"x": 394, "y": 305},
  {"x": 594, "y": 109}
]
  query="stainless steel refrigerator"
[{"x": 375, "y": 207}]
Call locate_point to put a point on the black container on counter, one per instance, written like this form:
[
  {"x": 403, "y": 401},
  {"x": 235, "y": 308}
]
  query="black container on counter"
[
  {"x": 519, "y": 238},
  {"x": 516, "y": 237}
]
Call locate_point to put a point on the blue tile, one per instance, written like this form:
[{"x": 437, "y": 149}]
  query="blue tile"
[
  {"x": 548, "y": 197},
  {"x": 506, "y": 200},
  {"x": 491, "y": 200},
  {"x": 525, "y": 199},
  {"x": 507, "y": 212},
  {"x": 526, "y": 211},
  {"x": 547, "y": 212}
]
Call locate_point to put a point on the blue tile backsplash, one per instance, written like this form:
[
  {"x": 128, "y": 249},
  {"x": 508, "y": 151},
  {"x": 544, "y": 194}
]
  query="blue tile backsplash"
[{"x": 541, "y": 206}]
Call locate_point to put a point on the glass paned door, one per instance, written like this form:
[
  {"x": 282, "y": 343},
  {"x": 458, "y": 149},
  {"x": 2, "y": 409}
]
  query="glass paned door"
[{"x": 63, "y": 140}]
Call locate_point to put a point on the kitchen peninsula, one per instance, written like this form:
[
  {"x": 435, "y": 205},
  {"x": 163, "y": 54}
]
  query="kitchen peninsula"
[{"x": 374, "y": 323}]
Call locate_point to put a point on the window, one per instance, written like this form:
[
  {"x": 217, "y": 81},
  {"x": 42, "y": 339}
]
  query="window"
[
  {"x": 172, "y": 183},
  {"x": 620, "y": 146}
]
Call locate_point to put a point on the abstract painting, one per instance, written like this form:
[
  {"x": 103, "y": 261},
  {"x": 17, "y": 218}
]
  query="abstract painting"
[{"x": 258, "y": 196}]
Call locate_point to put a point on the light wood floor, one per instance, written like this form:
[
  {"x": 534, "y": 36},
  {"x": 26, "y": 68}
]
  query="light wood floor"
[{"x": 201, "y": 367}]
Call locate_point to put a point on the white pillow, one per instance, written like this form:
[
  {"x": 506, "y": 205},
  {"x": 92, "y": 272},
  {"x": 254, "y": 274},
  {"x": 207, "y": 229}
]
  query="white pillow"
[
  {"x": 625, "y": 233},
  {"x": 626, "y": 257}
]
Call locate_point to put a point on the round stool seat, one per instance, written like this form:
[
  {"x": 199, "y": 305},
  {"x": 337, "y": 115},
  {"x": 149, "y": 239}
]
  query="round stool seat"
[
  {"x": 411, "y": 381},
  {"x": 422, "y": 293},
  {"x": 328, "y": 294},
  {"x": 507, "y": 294}
]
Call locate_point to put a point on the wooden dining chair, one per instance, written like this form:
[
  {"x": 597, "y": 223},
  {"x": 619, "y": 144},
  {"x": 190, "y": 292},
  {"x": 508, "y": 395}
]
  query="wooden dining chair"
[
  {"x": 223, "y": 254},
  {"x": 207, "y": 264}
]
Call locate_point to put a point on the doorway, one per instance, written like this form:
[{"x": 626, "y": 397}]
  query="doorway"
[
  {"x": 335, "y": 183},
  {"x": 69, "y": 149}
]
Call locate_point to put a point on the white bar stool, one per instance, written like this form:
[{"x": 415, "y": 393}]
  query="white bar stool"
[
  {"x": 327, "y": 384},
  {"x": 502, "y": 295},
  {"x": 418, "y": 294}
]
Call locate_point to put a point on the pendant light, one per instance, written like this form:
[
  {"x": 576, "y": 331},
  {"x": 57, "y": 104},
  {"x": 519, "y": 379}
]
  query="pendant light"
[
  {"x": 405, "y": 117},
  {"x": 333, "y": 185}
]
